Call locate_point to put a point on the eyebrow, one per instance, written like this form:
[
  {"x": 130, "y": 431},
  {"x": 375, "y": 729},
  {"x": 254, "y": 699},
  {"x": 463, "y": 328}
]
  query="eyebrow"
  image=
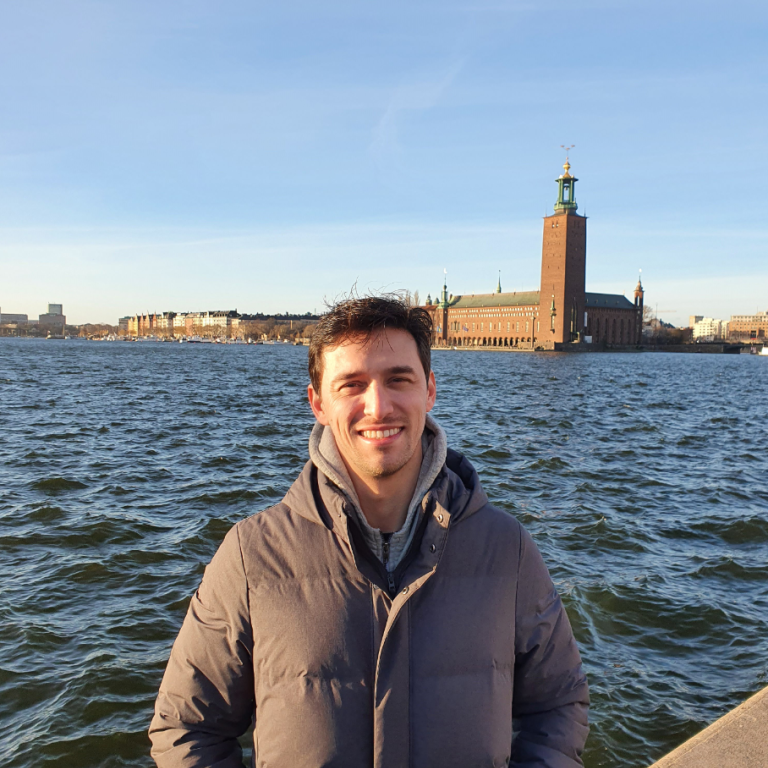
[{"x": 361, "y": 374}]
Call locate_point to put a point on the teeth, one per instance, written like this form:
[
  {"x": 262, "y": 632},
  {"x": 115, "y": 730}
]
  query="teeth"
[{"x": 377, "y": 434}]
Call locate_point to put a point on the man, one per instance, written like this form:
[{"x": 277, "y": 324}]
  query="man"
[{"x": 384, "y": 613}]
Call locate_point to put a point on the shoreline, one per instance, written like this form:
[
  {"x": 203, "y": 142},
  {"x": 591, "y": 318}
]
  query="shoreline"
[{"x": 582, "y": 349}]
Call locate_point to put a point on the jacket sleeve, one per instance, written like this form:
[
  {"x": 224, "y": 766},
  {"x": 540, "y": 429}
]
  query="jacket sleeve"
[
  {"x": 551, "y": 698},
  {"x": 206, "y": 699}
]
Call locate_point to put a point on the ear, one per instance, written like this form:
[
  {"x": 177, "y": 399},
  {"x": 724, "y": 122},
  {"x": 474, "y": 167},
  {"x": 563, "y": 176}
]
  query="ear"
[
  {"x": 431, "y": 391},
  {"x": 316, "y": 404}
]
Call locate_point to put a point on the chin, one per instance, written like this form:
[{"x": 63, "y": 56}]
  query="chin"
[{"x": 381, "y": 470}]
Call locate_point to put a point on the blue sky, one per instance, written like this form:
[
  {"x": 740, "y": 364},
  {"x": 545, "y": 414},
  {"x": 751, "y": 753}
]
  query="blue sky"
[{"x": 266, "y": 156}]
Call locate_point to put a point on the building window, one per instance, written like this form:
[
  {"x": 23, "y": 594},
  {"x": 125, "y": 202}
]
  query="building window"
[{"x": 526, "y": 326}]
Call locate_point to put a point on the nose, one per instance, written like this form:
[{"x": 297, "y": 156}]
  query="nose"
[{"x": 378, "y": 404}]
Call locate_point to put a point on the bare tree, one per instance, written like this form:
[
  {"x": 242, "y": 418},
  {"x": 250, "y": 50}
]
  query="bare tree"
[{"x": 648, "y": 315}]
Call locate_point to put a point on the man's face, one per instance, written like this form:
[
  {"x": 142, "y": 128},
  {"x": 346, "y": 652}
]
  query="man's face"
[{"x": 374, "y": 396}]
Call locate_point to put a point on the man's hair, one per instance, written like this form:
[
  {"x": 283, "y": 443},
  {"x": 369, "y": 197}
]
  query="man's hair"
[{"x": 364, "y": 317}]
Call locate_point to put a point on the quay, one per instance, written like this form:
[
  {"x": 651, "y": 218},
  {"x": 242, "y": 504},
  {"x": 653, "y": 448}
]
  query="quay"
[
  {"x": 739, "y": 739},
  {"x": 581, "y": 348}
]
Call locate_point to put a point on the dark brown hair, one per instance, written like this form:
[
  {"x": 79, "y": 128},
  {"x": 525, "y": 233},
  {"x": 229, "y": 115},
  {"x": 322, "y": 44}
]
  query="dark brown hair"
[{"x": 363, "y": 317}]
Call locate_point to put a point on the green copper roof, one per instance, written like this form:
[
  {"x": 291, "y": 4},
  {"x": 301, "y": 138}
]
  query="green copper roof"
[
  {"x": 610, "y": 300},
  {"x": 532, "y": 298},
  {"x": 524, "y": 298}
]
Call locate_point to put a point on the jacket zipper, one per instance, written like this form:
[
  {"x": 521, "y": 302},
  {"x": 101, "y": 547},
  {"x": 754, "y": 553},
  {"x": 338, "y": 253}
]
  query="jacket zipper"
[{"x": 385, "y": 537}]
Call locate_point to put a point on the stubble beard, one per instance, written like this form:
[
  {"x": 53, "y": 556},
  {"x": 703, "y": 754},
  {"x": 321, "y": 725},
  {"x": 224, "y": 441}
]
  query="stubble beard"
[{"x": 385, "y": 469}]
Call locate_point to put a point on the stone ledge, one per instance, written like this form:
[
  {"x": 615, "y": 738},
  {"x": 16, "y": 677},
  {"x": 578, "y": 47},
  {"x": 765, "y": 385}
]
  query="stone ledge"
[{"x": 739, "y": 739}]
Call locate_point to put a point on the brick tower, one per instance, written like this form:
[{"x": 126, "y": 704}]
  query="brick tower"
[{"x": 563, "y": 267}]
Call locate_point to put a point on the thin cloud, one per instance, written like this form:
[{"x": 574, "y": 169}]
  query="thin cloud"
[{"x": 418, "y": 96}]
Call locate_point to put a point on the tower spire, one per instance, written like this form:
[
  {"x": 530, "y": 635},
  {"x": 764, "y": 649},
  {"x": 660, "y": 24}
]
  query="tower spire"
[
  {"x": 444, "y": 295},
  {"x": 498, "y": 285}
]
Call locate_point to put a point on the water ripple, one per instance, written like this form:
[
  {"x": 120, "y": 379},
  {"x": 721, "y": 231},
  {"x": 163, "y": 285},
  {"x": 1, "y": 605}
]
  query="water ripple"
[{"x": 642, "y": 478}]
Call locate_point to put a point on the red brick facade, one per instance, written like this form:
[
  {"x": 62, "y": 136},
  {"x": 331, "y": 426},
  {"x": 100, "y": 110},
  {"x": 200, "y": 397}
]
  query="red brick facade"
[{"x": 563, "y": 274}]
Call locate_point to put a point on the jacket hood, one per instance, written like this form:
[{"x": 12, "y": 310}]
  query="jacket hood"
[{"x": 461, "y": 489}]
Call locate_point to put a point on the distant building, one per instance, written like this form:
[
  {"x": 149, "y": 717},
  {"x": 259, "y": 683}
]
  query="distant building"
[
  {"x": 214, "y": 324},
  {"x": 152, "y": 324},
  {"x": 54, "y": 317},
  {"x": 218, "y": 324},
  {"x": 693, "y": 319},
  {"x": 122, "y": 325},
  {"x": 560, "y": 312},
  {"x": 709, "y": 329},
  {"x": 746, "y": 327},
  {"x": 6, "y": 317}
]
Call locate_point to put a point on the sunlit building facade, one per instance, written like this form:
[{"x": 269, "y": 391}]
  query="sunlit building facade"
[{"x": 560, "y": 313}]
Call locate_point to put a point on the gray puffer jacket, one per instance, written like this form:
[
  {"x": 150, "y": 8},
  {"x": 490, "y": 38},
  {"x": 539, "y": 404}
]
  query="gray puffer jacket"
[{"x": 467, "y": 660}]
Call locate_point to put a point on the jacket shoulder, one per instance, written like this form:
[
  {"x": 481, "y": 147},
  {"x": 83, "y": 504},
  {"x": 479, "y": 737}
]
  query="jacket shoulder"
[
  {"x": 496, "y": 522},
  {"x": 256, "y": 522},
  {"x": 280, "y": 521},
  {"x": 282, "y": 543}
]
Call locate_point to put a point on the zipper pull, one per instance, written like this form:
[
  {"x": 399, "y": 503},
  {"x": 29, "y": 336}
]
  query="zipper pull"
[{"x": 385, "y": 537}]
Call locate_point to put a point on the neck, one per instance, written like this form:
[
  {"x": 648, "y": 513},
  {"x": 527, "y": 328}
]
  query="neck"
[{"x": 385, "y": 500}]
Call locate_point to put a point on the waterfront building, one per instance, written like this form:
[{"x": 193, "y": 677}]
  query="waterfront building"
[
  {"x": 17, "y": 319},
  {"x": 54, "y": 317},
  {"x": 216, "y": 324},
  {"x": 747, "y": 327},
  {"x": 150, "y": 324},
  {"x": 220, "y": 324},
  {"x": 709, "y": 329},
  {"x": 560, "y": 312},
  {"x": 693, "y": 319}
]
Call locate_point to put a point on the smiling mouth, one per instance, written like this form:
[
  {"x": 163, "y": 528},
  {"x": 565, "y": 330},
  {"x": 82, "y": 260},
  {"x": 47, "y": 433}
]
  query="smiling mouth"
[{"x": 379, "y": 434}]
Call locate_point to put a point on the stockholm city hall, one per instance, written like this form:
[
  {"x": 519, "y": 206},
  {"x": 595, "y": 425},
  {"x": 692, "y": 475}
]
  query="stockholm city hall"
[{"x": 560, "y": 314}]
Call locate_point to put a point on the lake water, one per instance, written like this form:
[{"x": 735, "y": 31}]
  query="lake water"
[{"x": 643, "y": 478}]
